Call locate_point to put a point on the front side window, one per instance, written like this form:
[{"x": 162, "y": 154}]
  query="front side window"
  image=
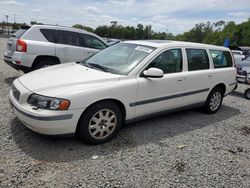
[
  {"x": 221, "y": 58},
  {"x": 197, "y": 59},
  {"x": 93, "y": 42},
  {"x": 169, "y": 61},
  {"x": 119, "y": 59}
]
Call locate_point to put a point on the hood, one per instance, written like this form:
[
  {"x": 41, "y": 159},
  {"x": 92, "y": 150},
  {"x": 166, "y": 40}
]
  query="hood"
[{"x": 65, "y": 78}]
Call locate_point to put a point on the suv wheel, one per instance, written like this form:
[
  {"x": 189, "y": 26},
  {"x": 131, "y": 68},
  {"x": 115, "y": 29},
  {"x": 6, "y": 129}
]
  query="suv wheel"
[
  {"x": 43, "y": 64},
  {"x": 213, "y": 101},
  {"x": 100, "y": 123}
]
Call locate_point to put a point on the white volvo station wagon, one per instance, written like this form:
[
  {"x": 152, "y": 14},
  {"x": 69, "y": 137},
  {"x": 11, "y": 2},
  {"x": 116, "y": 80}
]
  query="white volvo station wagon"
[{"x": 120, "y": 84}]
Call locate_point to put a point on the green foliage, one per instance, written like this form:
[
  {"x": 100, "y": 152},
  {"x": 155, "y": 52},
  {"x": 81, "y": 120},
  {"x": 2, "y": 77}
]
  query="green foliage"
[
  {"x": 209, "y": 33},
  {"x": 79, "y": 26},
  {"x": 216, "y": 33}
]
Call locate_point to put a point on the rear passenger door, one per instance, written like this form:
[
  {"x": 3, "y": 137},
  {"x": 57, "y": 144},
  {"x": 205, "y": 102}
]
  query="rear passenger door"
[
  {"x": 198, "y": 77},
  {"x": 69, "y": 47}
]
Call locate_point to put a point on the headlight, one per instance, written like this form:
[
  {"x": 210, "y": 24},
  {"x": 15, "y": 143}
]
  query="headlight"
[{"x": 48, "y": 102}]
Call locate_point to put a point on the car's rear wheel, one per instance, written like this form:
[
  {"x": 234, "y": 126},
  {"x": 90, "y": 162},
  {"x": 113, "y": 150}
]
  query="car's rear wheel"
[
  {"x": 99, "y": 123},
  {"x": 213, "y": 101},
  {"x": 43, "y": 64},
  {"x": 247, "y": 93}
]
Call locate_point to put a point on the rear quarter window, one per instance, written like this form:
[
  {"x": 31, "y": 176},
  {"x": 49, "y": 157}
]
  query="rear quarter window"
[
  {"x": 49, "y": 34},
  {"x": 18, "y": 33},
  {"x": 221, "y": 59}
]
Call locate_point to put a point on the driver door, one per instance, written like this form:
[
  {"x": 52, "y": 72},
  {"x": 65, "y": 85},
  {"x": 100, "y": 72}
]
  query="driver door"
[{"x": 159, "y": 94}]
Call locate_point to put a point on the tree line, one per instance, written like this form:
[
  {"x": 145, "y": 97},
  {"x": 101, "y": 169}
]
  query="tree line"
[{"x": 209, "y": 33}]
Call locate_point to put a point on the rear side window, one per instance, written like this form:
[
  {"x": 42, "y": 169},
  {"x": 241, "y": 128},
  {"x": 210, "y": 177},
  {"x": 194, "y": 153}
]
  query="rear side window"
[
  {"x": 19, "y": 33},
  {"x": 49, "y": 34},
  {"x": 197, "y": 59},
  {"x": 69, "y": 38},
  {"x": 93, "y": 42},
  {"x": 221, "y": 58}
]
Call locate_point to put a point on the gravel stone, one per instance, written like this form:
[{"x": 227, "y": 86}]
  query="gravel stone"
[{"x": 144, "y": 154}]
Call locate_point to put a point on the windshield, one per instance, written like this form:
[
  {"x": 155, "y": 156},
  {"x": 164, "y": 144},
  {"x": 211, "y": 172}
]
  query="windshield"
[{"x": 118, "y": 59}]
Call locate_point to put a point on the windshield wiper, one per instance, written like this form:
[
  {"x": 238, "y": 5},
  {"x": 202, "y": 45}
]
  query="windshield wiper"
[
  {"x": 85, "y": 64},
  {"x": 93, "y": 65}
]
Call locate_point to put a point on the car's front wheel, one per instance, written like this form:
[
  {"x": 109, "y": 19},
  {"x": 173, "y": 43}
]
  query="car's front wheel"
[
  {"x": 213, "y": 101},
  {"x": 99, "y": 123}
]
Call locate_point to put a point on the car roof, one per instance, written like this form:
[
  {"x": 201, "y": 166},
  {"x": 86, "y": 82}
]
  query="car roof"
[
  {"x": 59, "y": 27},
  {"x": 170, "y": 43}
]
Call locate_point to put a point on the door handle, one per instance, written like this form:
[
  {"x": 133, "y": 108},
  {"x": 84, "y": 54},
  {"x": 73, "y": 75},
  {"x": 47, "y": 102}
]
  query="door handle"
[
  {"x": 209, "y": 76},
  {"x": 180, "y": 79}
]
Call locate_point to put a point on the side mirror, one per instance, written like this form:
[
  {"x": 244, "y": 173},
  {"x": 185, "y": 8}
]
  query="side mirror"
[{"x": 153, "y": 73}]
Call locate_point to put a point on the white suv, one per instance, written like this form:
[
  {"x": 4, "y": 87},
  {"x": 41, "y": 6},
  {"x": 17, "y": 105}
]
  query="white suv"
[
  {"x": 123, "y": 83},
  {"x": 45, "y": 45}
]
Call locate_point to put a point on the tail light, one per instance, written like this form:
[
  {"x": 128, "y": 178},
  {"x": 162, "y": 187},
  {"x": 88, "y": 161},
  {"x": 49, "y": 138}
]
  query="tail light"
[{"x": 21, "y": 46}]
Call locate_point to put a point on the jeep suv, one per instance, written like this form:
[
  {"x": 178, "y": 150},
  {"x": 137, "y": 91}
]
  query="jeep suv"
[{"x": 46, "y": 45}]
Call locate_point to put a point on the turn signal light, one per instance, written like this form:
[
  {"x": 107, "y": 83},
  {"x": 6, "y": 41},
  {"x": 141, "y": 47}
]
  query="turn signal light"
[{"x": 64, "y": 105}]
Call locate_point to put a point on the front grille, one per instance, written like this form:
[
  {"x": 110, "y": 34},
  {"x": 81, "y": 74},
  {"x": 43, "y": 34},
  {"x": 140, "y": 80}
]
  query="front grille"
[{"x": 16, "y": 93}]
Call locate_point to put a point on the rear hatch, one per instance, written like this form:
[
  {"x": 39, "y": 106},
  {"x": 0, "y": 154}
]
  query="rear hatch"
[{"x": 11, "y": 43}]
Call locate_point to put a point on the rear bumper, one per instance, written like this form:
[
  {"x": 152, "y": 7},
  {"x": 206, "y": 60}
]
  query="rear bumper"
[{"x": 13, "y": 64}]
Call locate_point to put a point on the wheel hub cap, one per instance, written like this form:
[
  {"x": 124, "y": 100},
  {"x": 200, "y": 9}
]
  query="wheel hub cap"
[
  {"x": 102, "y": 124},
  {"x": 215, "y": 101}
]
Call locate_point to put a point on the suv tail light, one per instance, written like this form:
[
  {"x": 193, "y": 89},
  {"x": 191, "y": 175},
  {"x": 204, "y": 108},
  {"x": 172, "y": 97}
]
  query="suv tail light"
[{"x": 21, "y": 46}]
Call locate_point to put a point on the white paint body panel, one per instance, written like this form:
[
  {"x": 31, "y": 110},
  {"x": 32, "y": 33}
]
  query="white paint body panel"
[{"x": 38, "y": 45}]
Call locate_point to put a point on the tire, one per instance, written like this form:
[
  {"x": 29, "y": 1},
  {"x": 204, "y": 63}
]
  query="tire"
[
  {"x": 213, "y": 101},
  {"x": 235, "y": 87},
  {"x": 44, "y": 63},
  {"x": 97, "y": 121},
  {"x": 247, "y": 94}
]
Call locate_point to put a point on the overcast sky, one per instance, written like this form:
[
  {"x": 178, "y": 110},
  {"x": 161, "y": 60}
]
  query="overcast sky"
[{"x": 175, "y": 16}]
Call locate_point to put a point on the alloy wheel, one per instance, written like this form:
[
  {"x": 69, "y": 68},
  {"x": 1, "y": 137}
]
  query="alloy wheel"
[
  {"x": 215, "y": 101},
  {"x": 102, "y": 124}
]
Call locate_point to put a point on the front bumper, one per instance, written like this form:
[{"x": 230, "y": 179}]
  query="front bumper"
[
  {"x": 46, "y": 122},
  {"x": 243, "y": 78}
]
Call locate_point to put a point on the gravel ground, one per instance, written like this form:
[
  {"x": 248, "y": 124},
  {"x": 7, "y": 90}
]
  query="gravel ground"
[{"x": 184, "y": 149}]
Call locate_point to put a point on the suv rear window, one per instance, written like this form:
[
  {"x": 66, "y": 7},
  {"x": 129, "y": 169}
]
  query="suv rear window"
[
  {"x": 19, "y": 33},
  {"x": 49, "y": 34},
  {"x": 221, "y": 58}
]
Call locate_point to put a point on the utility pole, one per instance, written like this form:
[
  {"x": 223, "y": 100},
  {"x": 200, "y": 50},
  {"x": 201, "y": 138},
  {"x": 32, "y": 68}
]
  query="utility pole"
[
  {"x": 7, "y": 16},
  {"x": 14, "y": 24}
]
